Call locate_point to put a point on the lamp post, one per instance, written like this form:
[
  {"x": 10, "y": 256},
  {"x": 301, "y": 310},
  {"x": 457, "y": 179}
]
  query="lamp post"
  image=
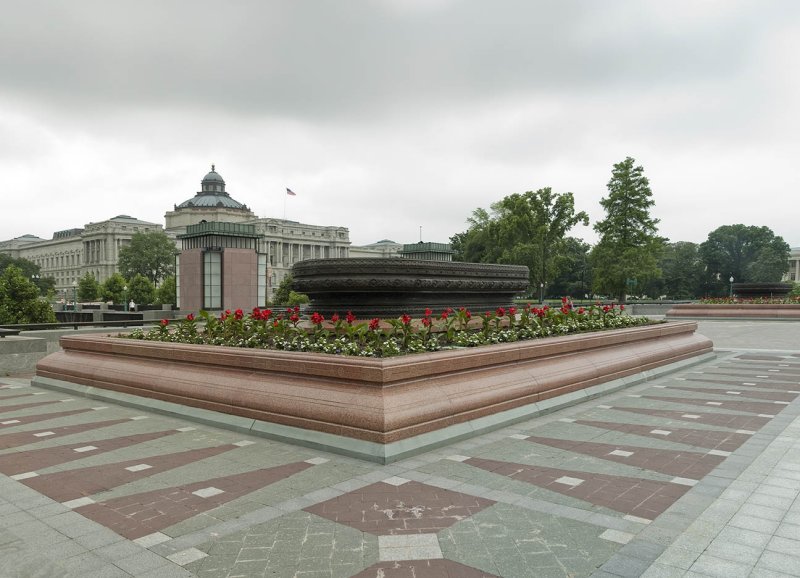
[
  {"x": 541, "y": 293},
  {"x": 731, "y": 280},
  {"x": 75, "y": 295},
  {"x": 125, "y": 297},
  {"x": 35, "y": 280}
]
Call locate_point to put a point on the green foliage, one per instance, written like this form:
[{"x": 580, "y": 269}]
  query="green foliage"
[
  {"x": 284, "y": 295},
  {"x": 88, "y": 288},
  {"x": 113, "y": 289},
  {"x": 795, "y": 292},
  {"x": 30, "y": 271},
  {"x": 746, "y": 253},
  {"x": 141, "y": 290},
  {"x": 166, "y": 292},
  {"x": 524, "y": 229},
  {"x": 296, "y": 298},
  {"x": 575, "y": 271},
  {"x": 626, "y": 257},
  {"x": 151, "y": 254},
  {"x": 20, "y": 300},
  {"x": 682, "y": 272}
]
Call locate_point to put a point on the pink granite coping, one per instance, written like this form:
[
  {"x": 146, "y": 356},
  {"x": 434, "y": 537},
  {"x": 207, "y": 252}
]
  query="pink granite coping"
[{"x": 787, "y": 311}]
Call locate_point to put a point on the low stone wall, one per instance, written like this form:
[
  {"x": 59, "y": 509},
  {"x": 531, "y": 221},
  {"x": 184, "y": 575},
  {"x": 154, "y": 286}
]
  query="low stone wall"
[
  {"x": 778, "y": 312},
  {"x": 19, "y": 354},
  {"x": 378, "y": 409}
]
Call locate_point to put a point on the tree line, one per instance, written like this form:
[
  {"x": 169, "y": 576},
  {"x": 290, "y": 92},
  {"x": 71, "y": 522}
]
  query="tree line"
[{"x": 630, "y": 258}]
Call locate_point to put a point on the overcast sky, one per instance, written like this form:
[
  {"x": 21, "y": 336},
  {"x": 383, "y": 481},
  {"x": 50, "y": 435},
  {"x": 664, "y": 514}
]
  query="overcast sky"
[{"x": 385, "y": 116}]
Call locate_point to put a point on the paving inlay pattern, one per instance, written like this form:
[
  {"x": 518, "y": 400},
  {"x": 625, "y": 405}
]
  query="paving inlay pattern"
[{"x": 630, "y": 481}]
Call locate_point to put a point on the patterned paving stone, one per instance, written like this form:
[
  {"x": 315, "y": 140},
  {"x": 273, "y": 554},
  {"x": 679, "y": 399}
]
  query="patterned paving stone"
[
  {"x": 741, "y": 392},
  {"x": 14, "y": 408},
  {"x": 141, "y": 514},
  {"x": 632, "y": 496},
  {"x": 747, "y": 381},
  {"x": 712, "y": 439},
  {"x": 24, "y": 420},
  {"x": 693, "y": 465},
  {"x": 73, "y": 484},
  {"x": 742, "y": 406},
  {"x": 17, "y": 439},
  {"x": 411, "y": 507},
  {"x": 733, "y": 421},
  {"x": 422, "y": 569},
  {"x": 30, "y": 461}
]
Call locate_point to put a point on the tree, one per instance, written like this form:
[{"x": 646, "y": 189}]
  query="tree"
[
  {"x": 88, "y": 288},
  {"x": 141, "y": 290},
  {"x": 113, "y": 289},
  {"x": 627, "y": 252},
  {"x": 151, "y": 254},
  {"x": 523, "y": 229},
  {"x": 682, "y": 270},
  {"x": 166, "y": 292},
  {"x": 30, "y": 270},
  {"x": 575, "y": 271},
  {"x": 748, "y": 254},
  {"x": 281, "y": 296},
  {"x": 20, "y": 301}
]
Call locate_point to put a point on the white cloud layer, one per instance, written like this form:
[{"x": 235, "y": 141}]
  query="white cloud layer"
[{"x": 387, "y": 116}]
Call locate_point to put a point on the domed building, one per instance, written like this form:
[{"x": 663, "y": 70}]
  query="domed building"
[{"x": 210, "y": 204}]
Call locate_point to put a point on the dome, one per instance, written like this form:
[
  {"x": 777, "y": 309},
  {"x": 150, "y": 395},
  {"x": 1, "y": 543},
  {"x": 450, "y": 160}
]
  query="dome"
[
  {"x": 213, "y": 177},
  {"x": 212, "y": 195}
]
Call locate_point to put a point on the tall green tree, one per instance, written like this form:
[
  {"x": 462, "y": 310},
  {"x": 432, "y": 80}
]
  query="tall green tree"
[
  {"x": 88, "y": 288},
  {"x": 113, "y": 289},
  {"x": 166, "y": 292},
  {"x": 627, "y": 253},
  {"x": 29, "y": 270},
  {"x": 151, "y": 254},
  {"x": 524, "y": 229},
  {"x": 746, "y": 253},
  {"x": 575, "y": 271},
  {"x": 20, "y": 300},
  {"x": 141, "y": 290}
]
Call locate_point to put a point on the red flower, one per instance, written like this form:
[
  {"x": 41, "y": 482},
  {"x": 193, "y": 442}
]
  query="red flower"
[
  {"x": 581, "y": 310},
  {"x": 512, "y": 311},
  {"x": 297, "y": 309},
  {"x": 335, "y": 317},
  {"x": 350, "y": 318},
  {"x": 238, "y": 314},
  {"x": 374, "y": 324},
  {"x": 564, "y": 300},
  {"x": 266, "y": 314},
  {"x": 224, "y": 316},
  {"x": 316, "y": 318},
  {"x": 428, "y": 312},
  {"x": 190, "y": 317},
  {"x": 500, "y": 311},
  {"x": 164, "y": 322},
  {"x": 256, "y": 313},
  {"x": 622, "y": 308},
  {"x": 406, "y": 319},
  {"x": 606, "y": 308},
  {"x": 227, "y": 312},
  {"x": 426, "y": 321},
  {"x": 294, "y": 318}
]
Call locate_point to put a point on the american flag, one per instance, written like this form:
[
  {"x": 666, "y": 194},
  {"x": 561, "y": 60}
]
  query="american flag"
[{"x": 290, "y": 192}]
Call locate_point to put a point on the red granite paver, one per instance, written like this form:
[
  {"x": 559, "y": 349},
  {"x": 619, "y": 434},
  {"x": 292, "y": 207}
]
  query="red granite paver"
[
  {"x": 12, "y": 408},
  {"x": 743, "y": 393},
  {"x": 141, "y": 514},
  {"x": 30, "y": 461},
  {"x": 729, "y": 420},
  {"x": 5, "y": 397},
  {"x": 628, "y": 495},
  {"x": 73, "y": 484},
  {"x": 683, "y": 464},
  {"x": 743, "y": 406},
  {"x": 760, "y": 357},
  {"x": 17, "y": 439},
  {"x": 702, "y": 438},
  {"x": 26, "y": 419},
  {"x": 410, "y": 508},
  {"x": 422, "y": 569}
]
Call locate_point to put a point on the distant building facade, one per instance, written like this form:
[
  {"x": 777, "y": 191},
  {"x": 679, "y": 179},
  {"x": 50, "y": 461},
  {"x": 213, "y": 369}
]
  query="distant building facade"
[
  {"x": 279, "y": 243},
  {"x": 793, "y": 274}
]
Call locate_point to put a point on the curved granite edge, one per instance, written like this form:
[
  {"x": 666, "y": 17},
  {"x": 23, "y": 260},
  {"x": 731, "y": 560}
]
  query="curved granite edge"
[
  {"x": 413, "y": 401},
  {"x": 783, "y": 312}
]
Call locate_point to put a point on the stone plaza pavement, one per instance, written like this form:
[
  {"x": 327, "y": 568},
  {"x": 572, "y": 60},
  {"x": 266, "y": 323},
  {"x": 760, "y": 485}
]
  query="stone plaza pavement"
[{"x": 694, "y": 473}]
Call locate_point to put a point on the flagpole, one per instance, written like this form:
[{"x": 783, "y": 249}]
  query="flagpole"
[{"x": 284, "y": 205}]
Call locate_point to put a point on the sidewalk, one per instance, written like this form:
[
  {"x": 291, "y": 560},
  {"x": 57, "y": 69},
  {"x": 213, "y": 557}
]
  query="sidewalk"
[{"x": 695, "y": 473}]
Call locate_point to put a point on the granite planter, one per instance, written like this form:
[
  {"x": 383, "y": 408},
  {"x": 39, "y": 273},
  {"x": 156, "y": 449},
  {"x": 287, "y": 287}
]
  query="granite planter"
[
  {"x": 738, "y": 311},
  {"x": 376, "y": 409}
]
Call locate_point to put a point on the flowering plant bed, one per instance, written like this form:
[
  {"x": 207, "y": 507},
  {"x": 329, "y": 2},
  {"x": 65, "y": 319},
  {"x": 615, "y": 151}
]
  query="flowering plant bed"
[
  {"x": 791, "y": 300},
  {"x": 265, "y": 329}
]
